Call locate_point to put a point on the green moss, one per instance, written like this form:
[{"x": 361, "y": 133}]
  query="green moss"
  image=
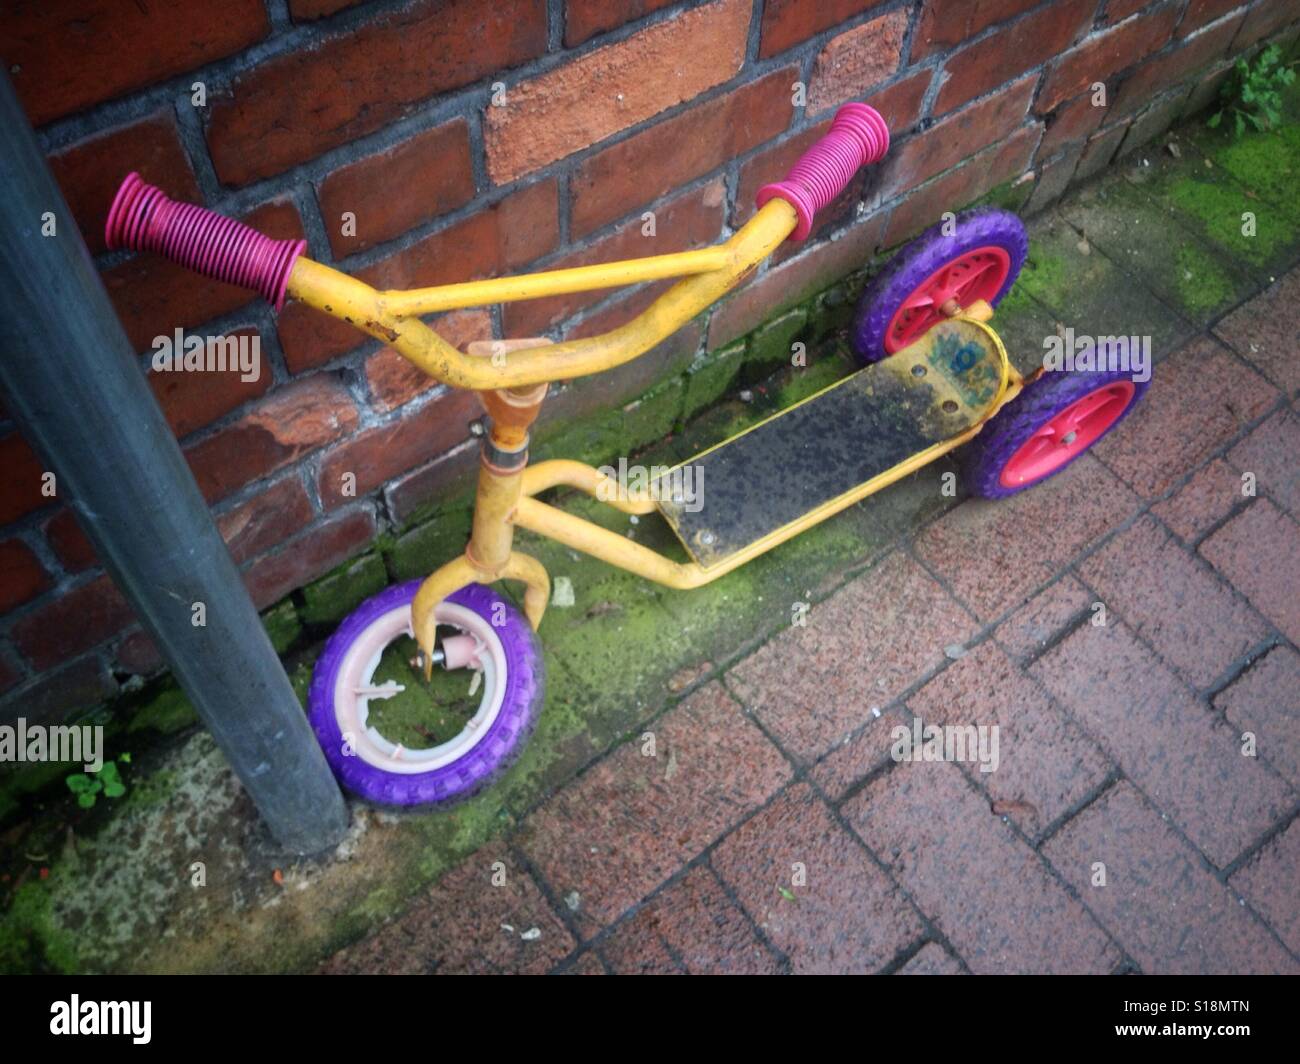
[
  {"x": 421, "y": 550},
  {"x": 1204, "y": 285},
  {"x": 29, "y": 940},
  {"x": 335, "y": 595},
  {"x": 1219, "y": 209},
  {"x": 770, "y": 348},
  {"x": 282, "y": 625},
  {"x": 166, "y": 712},
  {"x": 710, "y": 377}
]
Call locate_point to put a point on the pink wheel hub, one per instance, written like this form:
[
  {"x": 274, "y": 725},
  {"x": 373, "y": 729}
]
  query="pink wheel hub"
[
  {"x": 1067, "y": 434},
  {"x": 976, "y": 275}
]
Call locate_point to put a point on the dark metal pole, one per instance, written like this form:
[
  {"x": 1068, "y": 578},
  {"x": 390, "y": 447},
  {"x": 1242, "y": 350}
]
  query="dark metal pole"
[{"x": 75, "y": 387}]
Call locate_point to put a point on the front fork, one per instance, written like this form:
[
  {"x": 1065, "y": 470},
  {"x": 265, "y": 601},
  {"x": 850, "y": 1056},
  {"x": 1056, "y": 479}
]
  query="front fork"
[{"x": 489, "y": 555}]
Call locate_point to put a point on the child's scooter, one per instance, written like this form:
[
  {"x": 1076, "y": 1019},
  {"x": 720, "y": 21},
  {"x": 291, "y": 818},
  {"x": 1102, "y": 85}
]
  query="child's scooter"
[{"x": 935, "y": 377}]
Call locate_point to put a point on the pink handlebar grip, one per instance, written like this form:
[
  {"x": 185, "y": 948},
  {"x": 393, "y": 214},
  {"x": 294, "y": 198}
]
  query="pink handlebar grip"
[
  {"x": 144, "y": 218},
  {"x": 858, "y": 136}
]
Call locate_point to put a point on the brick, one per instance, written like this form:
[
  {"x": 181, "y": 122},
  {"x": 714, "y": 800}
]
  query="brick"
[
  {"x": 613, "y": 88},
  {"x": 311, "y": 338},
  {"x": 49, "y": 698},
  {"x": 153, "y": 296},
  {"x": 76, "y": 620},
  {"x": 865, "y": 753},
  {"x": 1269, "y": 452},
  {"x": 1258, "y": 551},
  {"x": 1049, "y": 614},
  {"x": 191, "y": 399},
  {"x": 66, "y": 57},
  {"x": 1024, "y": 539},
  {"x": 844, "y": 914},
  {"x": 22, "y": 576},
  {"x": 931, "y": 959},
  {"x": 273, "y": 118},
  {"x": 790, "y": 22},
  {"x": 90, "y": 171},
  {"x": 511, "y": 232},
  {"x": 436, "y": 162},
  {"x": 1263, "y": 20},
  {"x": 69, "y": 542},
  {"x": 473, "y": 922},
  {"x": 1098, "y": 151},
  {"x": 1174, "y": 66},
  {"x": 651, "y": 163},
  {"x": 377, "y": 455},
  {"x": 792, "y": 282},
  {"x": 309, "y": 555},
  {"x": 985, "y": 890},
  {"x": 9, "y": 675},
  {"x": 1268, "y": 883},
  {"x": 691, "y": 928},
  {"x": 1104, "y": 54},
  {"x": 440, "y": 479},
  {"x": 1202, "y": 502},
  {"x": 1180, "y": 754},
  {"x": 1046, "y": 764},
  {"x": 856, "y": 61},
  {"x": 691, "y": 219},
  {"x": 1171, "y": 915},
  {"x": 1119, "y": 10},
  {"x": 956, "y": 138},
  {"x": 21, "y": 471},
  {"x": 1025, "y": 43},
  {"x": 1053, "y": 178},
  {"x": 1173, "y": 430},
  {"x": 393, "y": 380},
  {"x": 1264, "y": 332},
  {"x": 1266, "y": 700},
  {"x": 310, "y": 10},
  {"x": 137, "y": 654},
  {"x": 266, "y": 519},
  {"x": 630, "y": 821},
  {"x": 1176, "y": 604},
  {"x": 946, "y": 24},
  {"x": 1073, "y": 120},
  {"x": 289, "y": 423},
  {"x": 584, "y": 19},
  {"x": 896, "y": 610}
]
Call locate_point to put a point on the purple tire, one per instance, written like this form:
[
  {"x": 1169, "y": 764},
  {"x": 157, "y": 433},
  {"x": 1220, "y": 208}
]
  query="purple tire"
[
  {"x": 979, "y": 261},
  {"x": 373, "y": 768},
  {"x": 1046, "y": 428}
]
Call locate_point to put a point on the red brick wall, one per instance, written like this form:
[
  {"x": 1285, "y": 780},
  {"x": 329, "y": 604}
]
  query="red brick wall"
[{"x": 613, "y": 107}]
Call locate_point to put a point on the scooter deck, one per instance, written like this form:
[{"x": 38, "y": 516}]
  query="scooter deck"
[{"x": 758, "y": 483}]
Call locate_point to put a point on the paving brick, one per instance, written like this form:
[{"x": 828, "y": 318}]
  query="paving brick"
[
  {"x": 1266, "y": 333},
  {"x": 1203, "y": 501},
  {"x": 931, "y": 959},
  {"x": 1106, "y": 53},
  {"x": 1028, "y": 630},
  {"x": 74, "y": 621},
  {"x": 1027, "y": 42},
  {"x": 1046, "y": 765},
  {"x": 632, "y": 820},
  {"x": 309, "y": 555},
  {"x": 857, "y": 60},
  {"x": 584, "y": 19},
  {"x": 473, "y": 921},
  {"x": 860, "y": 648},
  {"x": 90, "y": 171},
  {"x": 435, "y": 161},
  {"x": 989, "y": 893},
  {"x": 949, "y": 23},
  {"x": 191, "y": 399},
  {"x": 1268, "y": 883},
  {"x": 994, "y": 553},
  {"x": 1265, "y": 700},
  {"x": 1182, "y": 756},
  {"x": 613, "y": 88},
  {"x": 67, "y": 57},
  {"x": 864, "y": 753},
  {"x": 1270, "y": 453},
  {"x": 649, "y": 164},
  {"x": 1258, "y": 551},
  {"x": 1173, "y": 601},
  {"x": 817, "y": 895},
  {"x": 272, "y": 118},
  {"x": 1175, "y": 427},
  {"x": 691, "y": 928},
  {"x": 1168, "y": 912}
]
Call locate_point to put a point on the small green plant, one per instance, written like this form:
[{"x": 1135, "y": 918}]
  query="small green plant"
[
  {"x": 1252, "y": 95},
  {"x": 107, "y": 780}
]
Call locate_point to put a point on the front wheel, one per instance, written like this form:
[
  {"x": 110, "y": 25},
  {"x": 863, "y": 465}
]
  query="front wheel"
[
  {"x": 1049, "y": 425},
  {"x": 393, "y": 739}
]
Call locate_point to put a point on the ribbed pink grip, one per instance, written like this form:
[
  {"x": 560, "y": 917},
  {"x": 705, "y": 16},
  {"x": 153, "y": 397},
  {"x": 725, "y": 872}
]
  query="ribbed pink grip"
[
  {"x": 858, "y": 136},
  {"x": 144, "y": 218}
]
